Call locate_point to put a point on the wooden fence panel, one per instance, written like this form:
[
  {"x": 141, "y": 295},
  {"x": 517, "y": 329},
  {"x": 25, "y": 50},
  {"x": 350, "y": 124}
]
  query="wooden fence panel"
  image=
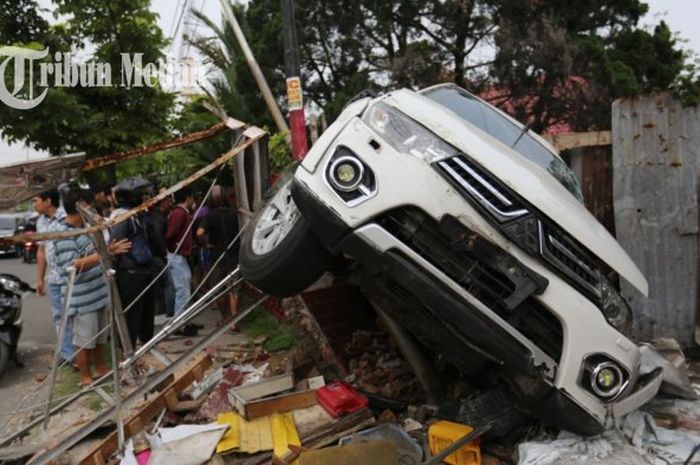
[{"x": 656, "y": 159}]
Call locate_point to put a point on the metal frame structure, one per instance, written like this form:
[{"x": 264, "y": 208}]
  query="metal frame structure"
[{"x": 245, "y": 136}]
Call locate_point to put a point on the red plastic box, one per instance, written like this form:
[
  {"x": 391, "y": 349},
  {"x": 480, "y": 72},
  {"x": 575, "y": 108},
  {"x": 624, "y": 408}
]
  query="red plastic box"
[{"x": 338, "y": 398}]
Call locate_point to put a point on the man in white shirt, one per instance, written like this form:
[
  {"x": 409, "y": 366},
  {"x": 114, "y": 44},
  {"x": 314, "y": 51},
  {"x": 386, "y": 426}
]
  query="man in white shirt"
[{"x": 47, "y": 205}]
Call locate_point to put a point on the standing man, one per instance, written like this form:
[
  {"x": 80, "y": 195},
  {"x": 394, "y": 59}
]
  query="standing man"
[
  {"x": 135, "y": 268},
  {"x": 157, "y": 225},
  {"x": 217, "y": 230},
  {"x": 179, "y": 231},
  {"x": 87, "y": 307},
  {"x": 47, "y": 205}
]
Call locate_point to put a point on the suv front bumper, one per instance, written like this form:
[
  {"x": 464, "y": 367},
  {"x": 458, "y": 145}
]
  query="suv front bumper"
[{"x": 443, "y": 315}]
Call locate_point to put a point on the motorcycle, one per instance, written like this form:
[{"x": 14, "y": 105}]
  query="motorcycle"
[
  {"x": 30, "y": 247},
  {"x": 11, "y": 290}
]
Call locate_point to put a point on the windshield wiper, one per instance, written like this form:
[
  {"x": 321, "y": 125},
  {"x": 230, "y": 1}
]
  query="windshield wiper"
[{"x": 526, "y": 128}]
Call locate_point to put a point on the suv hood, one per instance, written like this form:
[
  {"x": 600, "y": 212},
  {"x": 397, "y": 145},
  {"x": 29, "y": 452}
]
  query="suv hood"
[{"x": 526, "y": 178}]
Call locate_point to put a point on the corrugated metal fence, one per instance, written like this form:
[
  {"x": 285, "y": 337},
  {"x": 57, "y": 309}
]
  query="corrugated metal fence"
[{"x": 656, "y": 162}]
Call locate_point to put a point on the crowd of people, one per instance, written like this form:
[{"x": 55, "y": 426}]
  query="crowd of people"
[{"x": 154, "y": 256}]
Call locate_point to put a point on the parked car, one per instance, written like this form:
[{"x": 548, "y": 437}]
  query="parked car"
[
  {"x": 470, "y": 231},
  {"x": 10, "y": 224}
]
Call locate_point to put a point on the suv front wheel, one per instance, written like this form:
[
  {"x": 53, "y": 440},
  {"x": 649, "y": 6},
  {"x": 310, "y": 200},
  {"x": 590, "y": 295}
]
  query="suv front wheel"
[{"x": 279, "y": 254}]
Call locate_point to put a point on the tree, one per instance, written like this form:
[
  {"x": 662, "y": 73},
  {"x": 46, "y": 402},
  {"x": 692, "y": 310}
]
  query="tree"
[
  {"x": 95, "y": 120},
  {"x": 559, "y": 61},
  {"x": 20, "y": 22}
]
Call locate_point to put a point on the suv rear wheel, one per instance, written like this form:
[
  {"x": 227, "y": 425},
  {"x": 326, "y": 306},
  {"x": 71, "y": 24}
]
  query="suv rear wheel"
[{"x": 279, "y": 253}]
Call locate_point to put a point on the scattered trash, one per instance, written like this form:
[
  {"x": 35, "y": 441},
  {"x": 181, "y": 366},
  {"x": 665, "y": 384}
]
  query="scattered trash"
[
  {"x": 637, "y": 440},
  {"x": 339, "y": 398},
  {"x": 248, "y": 392},
  {"x": 275, "y": 433},
  {"x": 442, "y": 434},
  {"x": 181, "y": 445},
  {"x": 376, "y": 367},
  {"x": 369, "y": 453},
  {"x": 408, "y": 451}
]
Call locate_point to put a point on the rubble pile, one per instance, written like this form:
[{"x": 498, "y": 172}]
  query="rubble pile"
[{"x": 377, "y": 368}]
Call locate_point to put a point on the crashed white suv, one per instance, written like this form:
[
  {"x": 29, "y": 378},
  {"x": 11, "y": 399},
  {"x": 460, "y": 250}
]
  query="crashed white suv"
[{"x": 469, "y": 230}]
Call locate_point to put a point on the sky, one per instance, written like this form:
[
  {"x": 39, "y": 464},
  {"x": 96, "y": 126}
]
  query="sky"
[{"x": 681, "y": 15}]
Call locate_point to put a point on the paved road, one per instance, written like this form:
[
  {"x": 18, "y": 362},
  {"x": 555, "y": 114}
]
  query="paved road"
[{"x": 35, "y": 345}]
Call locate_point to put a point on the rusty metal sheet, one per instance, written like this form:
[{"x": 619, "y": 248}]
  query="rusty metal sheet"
[
  {"x": 22, "y": 181},
  {"x": 656, "y": 160}
]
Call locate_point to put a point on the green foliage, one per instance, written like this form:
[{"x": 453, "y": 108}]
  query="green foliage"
[
  {"x": 279, "y": 152},
  {"x": 95, "y": 120},
  {"x": 566, "y": 62},
  {"x": 20, "y": 22},
  {"x": 551, "y": 61},
  {"x": 280, "y": 336},
  {"x": 168, "y": 167}
]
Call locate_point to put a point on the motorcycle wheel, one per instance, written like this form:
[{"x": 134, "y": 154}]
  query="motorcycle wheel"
[{"x": 4, "y": 358}]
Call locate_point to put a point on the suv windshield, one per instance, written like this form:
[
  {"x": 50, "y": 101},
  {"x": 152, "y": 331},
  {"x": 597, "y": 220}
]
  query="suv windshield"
[{"x": 486, "y": 118}]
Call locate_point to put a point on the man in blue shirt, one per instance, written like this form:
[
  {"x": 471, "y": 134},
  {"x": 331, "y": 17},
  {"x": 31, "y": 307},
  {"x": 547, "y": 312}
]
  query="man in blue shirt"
[{"x": 87, "y": 306}]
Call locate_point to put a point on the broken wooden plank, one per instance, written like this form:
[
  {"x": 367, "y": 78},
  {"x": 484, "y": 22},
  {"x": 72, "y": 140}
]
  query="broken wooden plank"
[
  {"x": 338, "y": 428},
  {"x": 279, "y": 404},
  {"x": 148, "y": 412}
]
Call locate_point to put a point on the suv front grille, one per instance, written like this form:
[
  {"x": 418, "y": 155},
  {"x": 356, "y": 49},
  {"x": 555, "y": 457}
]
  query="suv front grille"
[
  {"x": 525, "y": 226},
  {"x": 473, "y": 182},
  {"x": 571, "y": 259},
  {"x": 415, "y": 230},
  {"x": 489, "y": 285}
]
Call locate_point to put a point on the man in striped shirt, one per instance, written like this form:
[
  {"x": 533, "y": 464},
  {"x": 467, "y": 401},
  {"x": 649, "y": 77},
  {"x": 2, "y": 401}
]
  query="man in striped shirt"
[{"x": 89, "y": 298}]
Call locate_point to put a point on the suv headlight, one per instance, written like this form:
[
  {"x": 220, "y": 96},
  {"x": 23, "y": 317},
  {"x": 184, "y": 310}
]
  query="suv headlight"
[
  {"x": 615, "y": 309},
  {"x": 405, "y": 135}
]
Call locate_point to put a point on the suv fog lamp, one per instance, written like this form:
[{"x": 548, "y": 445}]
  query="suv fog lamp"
[
  {"x": 606, "y": 379},
  {"x": 346, "y": 173}
]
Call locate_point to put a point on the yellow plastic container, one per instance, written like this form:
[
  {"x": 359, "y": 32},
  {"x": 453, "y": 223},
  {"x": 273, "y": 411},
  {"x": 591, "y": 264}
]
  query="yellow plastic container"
[{"x": 444, "y": 433}]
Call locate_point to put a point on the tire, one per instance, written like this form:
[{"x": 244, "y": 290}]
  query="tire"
[
  {"x": 496, "y": 407},
  {"x": 281, "y": 260},
  {"x": 4, "y": 358}
]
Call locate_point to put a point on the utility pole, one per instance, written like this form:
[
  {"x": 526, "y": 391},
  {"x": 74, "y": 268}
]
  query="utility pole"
[
  {"x": 254, "y": 67},
  {"x": 295, "y": 96}
]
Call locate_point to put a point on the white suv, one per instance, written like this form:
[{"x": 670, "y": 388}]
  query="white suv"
[{"x": 470, "y": 231}]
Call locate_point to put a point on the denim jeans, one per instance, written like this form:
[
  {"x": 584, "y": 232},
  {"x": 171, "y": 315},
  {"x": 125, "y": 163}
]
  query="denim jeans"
[
  {"x": 54, "y": 294},
  {"x": 182, "y": 277}
]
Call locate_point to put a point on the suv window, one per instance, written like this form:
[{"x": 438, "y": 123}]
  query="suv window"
[{"x": 486, "y": 118}]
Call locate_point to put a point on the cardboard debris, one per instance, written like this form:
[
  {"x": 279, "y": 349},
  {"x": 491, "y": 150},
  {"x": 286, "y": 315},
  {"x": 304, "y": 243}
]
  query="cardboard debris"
[
  {"x": 275, "y": 432},
  {"x": 369, "y": 453}
]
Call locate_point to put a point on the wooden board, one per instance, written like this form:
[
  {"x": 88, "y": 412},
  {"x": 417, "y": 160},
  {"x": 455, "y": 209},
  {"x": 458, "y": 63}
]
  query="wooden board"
[
  {"x": 279, "y": 404},
  {"x": 149, "y": 411}
]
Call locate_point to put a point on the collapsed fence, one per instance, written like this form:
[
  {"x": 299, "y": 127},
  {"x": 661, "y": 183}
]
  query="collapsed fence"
[{"x": 245, "y": 137}]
